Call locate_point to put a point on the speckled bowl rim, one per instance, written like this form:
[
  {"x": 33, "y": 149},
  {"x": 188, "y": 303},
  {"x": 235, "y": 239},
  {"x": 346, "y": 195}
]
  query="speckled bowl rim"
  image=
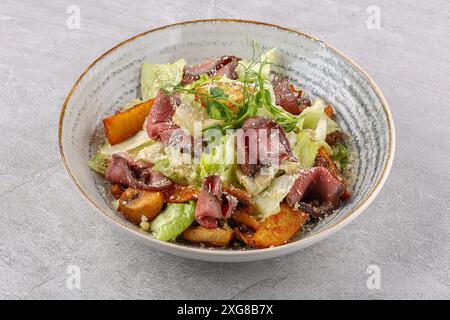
[{"x": 202, "y": 253}]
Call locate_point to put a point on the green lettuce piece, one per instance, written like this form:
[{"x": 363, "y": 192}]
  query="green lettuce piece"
[
  {"x": 179, "y": 172},
  {"x": 314, "y": 118},
  {"x": 340, "y": 156},
  {"x": 268, "y": 202},
  {"x": 150, "y": 152},
  {"x": 306, "y": 149},
  {"x": 99, "y": 163},
  {"x": 164, "y": 166},
  {"x": 311, "y": 116},
  {"x": 218, "y": 162},
  {"x": 255, "y": 185},
  {"x": 175, "y": 218},
  {"x": 155, "y": 76}
]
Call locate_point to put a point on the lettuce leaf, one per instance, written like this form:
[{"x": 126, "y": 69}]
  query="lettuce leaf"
[
  {"x": 306, "y": 149},
  {"x": 220, "y": 161},
  {"x": 272, "y": 57},
  {"x": 175, "y": 218},
  {"x": 314, "y": 118},
  {"x": 177, "y": 173},
  {"x": 179, "y": 167},
  {"x": 150, "y": 152},
  {"x": 99, "y": 163},
  {"x": 267, "y": 202},
  {"x": 154, "y": 76},
  {"x": 257, "y": 184}
]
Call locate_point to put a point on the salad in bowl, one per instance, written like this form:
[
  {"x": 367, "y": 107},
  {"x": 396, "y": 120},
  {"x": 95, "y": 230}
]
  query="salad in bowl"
[{"x": 225, "y": 153}]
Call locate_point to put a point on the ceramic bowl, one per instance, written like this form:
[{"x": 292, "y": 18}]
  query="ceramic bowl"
[{"x": 112, "y": 80}]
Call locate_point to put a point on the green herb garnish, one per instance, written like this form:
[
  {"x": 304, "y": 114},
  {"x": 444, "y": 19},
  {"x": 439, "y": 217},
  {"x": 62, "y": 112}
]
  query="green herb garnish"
[{"x": 254, "y": 92}]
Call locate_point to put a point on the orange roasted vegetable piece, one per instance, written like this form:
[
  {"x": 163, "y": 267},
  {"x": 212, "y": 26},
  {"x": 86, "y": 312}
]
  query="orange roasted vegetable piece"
[
  {"x": 217, "y": 237},
  {"x": 180, "y": 194},
  {"x": 324, "y": 160},
  {"x": 329, "y": 111},
  {"x": 245, "y": 200},
  {"x": 126, "y": 124},
  {"x": 246, "y": 219},
  {"x": 279, "y": 228}
]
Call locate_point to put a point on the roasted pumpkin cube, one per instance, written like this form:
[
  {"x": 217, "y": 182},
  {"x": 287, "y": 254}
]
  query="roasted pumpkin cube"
[{"x": 126, "y": 124}]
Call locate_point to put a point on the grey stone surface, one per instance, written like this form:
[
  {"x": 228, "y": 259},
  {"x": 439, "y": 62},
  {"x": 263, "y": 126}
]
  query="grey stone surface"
[{"x": 45, "y": 225}]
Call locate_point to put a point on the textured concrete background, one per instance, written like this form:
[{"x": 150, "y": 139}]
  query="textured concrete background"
[{"x": 45, "y": 225}]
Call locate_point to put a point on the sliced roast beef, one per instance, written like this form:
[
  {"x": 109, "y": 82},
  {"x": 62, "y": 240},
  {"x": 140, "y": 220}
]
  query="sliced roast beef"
[
  {"x": 285, "y": 97},
  {"x": 159, "y": 124},
  {"x": 123, "y": 170},
  {"x": 229, "y": 69},
  {"x": 223, "y": 66},
  {"x": 213, "y": 203},
  {"x": 316, "y": 191},
  {"x": 324, "y": 160},
  {"x": 261, "y": 143}
]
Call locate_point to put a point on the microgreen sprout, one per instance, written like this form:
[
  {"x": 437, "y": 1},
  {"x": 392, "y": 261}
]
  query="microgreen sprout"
[{"x": 254, "y": 93}]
